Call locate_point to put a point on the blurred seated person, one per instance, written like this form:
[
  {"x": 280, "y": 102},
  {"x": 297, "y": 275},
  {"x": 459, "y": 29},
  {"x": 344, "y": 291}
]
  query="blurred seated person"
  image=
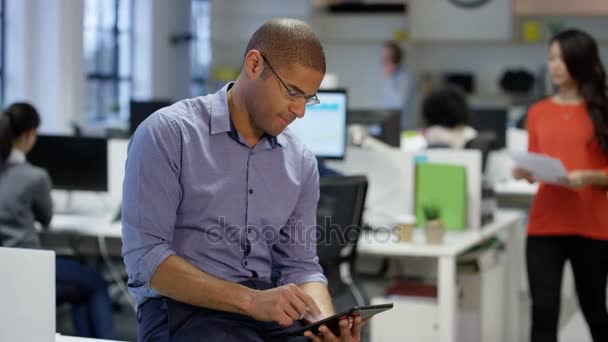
[
  {"x": 25, "y": 197},
  {"x": 447, "y": 118}
]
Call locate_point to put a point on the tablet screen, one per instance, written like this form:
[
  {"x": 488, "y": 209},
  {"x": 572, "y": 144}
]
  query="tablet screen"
[{"x": 332, "y": 322}]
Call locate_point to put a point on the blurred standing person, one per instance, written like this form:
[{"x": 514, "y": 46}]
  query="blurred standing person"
[
  {"x": 570, "y": 223},
  {"x": 396, "y": 80}
]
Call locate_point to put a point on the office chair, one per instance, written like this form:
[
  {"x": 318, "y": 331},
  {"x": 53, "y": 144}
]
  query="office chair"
[
  {"x": 339, "y": 217},
  {"x": 485, "y": 141}
]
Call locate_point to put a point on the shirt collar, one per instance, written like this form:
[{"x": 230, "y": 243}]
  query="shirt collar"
[
  {"x": 16, "y": 157},
  {"x": 222, "y": 123}
]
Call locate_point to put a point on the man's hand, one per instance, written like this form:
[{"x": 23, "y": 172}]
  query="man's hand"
[
  {"x": 523, "y": 174},
  {"x": 284, "y": 305},
  {"x": 350, "y": 331}
]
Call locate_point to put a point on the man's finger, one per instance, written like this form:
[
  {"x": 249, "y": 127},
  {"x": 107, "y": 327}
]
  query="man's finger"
[
  {"x": 328, "y": 336},
  {"x": 312, "y": 336},
  {"x": 344, "y": 327},
  {"x": 356, "y": 328},
  {"x": 310, "y": 303}
]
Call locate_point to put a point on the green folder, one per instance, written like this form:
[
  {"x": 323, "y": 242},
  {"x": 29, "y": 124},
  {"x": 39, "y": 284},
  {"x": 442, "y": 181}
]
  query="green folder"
[{"x": 443, "y": 186}]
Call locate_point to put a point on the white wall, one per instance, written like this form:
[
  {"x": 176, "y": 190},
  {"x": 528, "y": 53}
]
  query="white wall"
[
  {"x": 442, "y": 20},
  {"x": 234, "y": 21},
  {"x": 488, "y": 59},
  {"x": 353, "y": 45}
]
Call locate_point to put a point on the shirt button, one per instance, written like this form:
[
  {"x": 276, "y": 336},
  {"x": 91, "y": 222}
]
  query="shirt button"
[
  {"x": 250, "y": 191},
  {"x": 245, "y": 262}
]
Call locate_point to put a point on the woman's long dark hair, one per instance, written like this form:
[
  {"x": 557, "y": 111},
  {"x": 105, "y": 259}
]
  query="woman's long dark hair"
[
  {"x": 17, "y": 119},
  {"x": 581, "y": 56}
]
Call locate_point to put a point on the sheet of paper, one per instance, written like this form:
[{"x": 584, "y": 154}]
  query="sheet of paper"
[{"x": 543, "y": 168}]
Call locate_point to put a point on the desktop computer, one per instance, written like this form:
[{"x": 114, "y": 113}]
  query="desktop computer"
[
  {"x": 382, "y": 124},
  {"x": 140, "y": 110},
  {"x": 73, "y": 163},
  {"x": 491, "y": 119}
]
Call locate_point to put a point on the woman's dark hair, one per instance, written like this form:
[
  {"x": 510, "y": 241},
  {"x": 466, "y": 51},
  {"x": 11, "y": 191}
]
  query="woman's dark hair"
[
  {"x": 17, "y": 119},
  {"x": 447, "y": 107},
  {"x": 582, "y": 59}
]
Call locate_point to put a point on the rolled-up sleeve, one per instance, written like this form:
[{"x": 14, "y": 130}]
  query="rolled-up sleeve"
[
  {"x": 295, "y": 254},
  {"x": 151, "y": 195}
]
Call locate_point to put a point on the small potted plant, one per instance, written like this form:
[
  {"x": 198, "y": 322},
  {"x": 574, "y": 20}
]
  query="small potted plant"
[{"x": 434, "y": 228}]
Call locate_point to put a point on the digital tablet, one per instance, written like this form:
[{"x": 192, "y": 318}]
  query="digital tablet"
[{"x": 332, "y": 322}]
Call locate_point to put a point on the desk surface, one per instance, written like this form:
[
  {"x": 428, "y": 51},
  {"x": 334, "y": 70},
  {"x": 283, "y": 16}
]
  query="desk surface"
[
  {"x": 92, "y": 225},
  {"x": 516, "y": 187},
  {"x": 63, "y": 338},
  {"x": 385, "y": 243}
]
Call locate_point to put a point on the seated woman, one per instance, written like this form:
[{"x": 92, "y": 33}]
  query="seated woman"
[
  {"x": 447, "y": 117},
  {"x": 25, "y": 197}
]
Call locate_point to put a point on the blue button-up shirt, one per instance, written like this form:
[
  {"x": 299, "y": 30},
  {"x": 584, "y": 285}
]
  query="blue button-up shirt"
[{"x": 193, "y": 187}]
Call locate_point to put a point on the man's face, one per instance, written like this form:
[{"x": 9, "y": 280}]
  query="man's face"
[
  {"x": 272, "y": 106},
  {"x": 387, "y": 56},
  {"x": 387, "y": 61}
]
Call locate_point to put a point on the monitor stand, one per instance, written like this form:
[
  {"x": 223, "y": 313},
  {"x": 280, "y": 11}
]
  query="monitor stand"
[
  {"x": 67, "y": 207},
  {"x": 324, "y": 170}
]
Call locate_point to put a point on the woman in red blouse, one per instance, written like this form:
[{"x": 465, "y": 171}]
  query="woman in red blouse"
[{"x": 570, "y": 223}]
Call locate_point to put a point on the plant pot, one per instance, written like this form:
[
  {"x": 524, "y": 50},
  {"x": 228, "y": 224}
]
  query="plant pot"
[
  {"x": 404, "y": 226},
  {"x": 435, "y": 232},
  {"x": 405, "y": 231}
]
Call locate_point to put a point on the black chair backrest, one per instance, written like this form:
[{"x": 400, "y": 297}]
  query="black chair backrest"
[
  {"x": 339, "y": 215},
  {"x": 485, "y": 141}
]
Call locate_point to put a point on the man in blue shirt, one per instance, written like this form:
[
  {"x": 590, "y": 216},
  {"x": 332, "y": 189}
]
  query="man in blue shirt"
[
  {"x": 218, "y": 193},
  {"x": 397, "y": 83}
]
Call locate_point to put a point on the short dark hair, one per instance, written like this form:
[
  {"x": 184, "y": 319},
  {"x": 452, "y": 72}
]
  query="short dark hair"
[
  {"x": 17, "y": 119},
  {"x": 446, "y": 106},
  {"x": 397, "y": 54},
  {"x": 287, "y": 41}
]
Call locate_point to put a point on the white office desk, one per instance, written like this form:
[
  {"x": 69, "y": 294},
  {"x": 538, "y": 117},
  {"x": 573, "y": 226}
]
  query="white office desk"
[
  {"x": 84, "y": 235},
  {"x": 63, "y": 338},
  {"x": 90, "y": 225},
  {"x": 381, "y": 243},
  {"x": 516, "y": 187}
]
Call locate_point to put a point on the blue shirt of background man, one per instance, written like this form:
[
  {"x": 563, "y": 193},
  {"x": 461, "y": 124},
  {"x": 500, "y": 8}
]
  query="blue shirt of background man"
[{"x": 194, "y": 188}]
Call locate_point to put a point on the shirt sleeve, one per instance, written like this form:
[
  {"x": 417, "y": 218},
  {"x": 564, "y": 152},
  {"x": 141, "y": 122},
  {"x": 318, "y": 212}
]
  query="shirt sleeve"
[
  {"x": 295, "y": 253},
  {"x": 42, "y": 203},
  {"x": 151, "y": 195}
]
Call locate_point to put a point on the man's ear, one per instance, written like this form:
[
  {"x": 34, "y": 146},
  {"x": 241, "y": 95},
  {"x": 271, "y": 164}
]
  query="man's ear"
[{"x": 254, "y": 64}]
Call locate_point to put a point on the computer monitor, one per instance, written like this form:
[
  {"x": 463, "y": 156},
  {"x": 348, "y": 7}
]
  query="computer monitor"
[
  {"x": 73, "y": 163},
  {"x": 492, "y": 119},
  {"x": 323, "y": 129},
  {"x": 382, "y": 124},
  {"x": 140, "y": 110}
]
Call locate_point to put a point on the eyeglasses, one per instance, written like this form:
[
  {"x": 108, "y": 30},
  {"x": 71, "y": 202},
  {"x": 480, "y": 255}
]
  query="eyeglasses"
[{"x": 293, "y": 94}]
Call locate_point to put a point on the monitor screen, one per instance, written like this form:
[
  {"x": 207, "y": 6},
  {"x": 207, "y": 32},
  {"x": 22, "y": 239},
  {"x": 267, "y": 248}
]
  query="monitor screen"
[
  {"x": 323, "y": 128},
  {"x": 491, "y": 119},
  {"x": 140, "y": 110},
  {"x": 73, "y": 163}
]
